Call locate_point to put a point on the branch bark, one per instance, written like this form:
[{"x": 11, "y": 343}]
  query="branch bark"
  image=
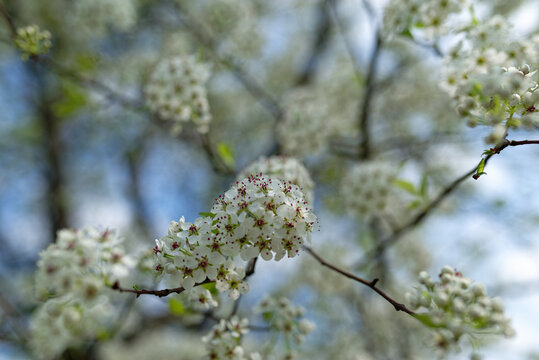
[{"x": 371, "y": 284}]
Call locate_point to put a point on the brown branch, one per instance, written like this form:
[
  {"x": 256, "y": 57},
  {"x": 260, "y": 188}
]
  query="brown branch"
[
  {"x": 365, "y": 108},
  {"x": 416, "y": 220},
  {"x": 159, "y": 293},
  {"x": 371, "y": 284},
  {"x": 9, "y": 21},
  {"x": 319, "y": 44}
]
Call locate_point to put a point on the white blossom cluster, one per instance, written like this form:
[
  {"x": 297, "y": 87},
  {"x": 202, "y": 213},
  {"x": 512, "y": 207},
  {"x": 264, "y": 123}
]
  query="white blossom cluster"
[
  {"x": 456, "y": 306},
  {"x": 283, "y": 168},
  {"x": 224, "y": 340},
  {"x": 367, "y": 188},
  {"x": 310, "y": 121},
  {"x": 32, "y": 41},
  {"x": 176, "y": 91},
  {"x": 96, "y": 15},
  {"x": 491, "y": 80},
  {"x": 73, "y": 279},
  {"x": 400, "y": 16},
  {"x": 286, "y": 318},
  {"x": 257, "y": 216}
]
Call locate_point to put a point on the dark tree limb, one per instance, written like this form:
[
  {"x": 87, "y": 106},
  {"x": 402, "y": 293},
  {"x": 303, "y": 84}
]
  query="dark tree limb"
[{"x": 371, "y": 284}]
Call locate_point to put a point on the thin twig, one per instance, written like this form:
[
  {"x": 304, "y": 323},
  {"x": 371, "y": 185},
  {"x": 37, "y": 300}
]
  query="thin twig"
[
  {"x": 318, "y": 45},
  {"x": 371, "y": 284},
  {"x": 249, "y": 270},
  {"x": 342, "y": 32},
  {"x": 416, "y": 220},
  {"x": 9, "y": 21},
  {"x": 159, "y": 293},
  {"x": 200, "y": 32},
  {"x": 112, "y": 94},
  {"x": 365, "y": 107}
]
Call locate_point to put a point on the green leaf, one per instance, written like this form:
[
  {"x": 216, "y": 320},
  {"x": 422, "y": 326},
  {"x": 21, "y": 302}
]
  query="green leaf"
[
  {"x": 73, "y": 99},
  {"x": 176, "y": 307},
  {"x": 211, "y": 287},
  {"x": 406, "y": 32},
  {"x": 226, "y": 154},
  {"x": 414, "y": 204},
  {"x": 480, "y": 169},
  {"x": 135, "y": 287},
  {"x": 207, "y": 214},
  {"x": 425, "y": 320},
  {"x": 87, "y": 62},
  {"x": 405, "y": 185},
  {"x": 424, "y": 185},
  {"x": 103, "y": 335}
]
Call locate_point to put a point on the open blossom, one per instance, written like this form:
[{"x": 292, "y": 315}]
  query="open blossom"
[
  {"x": 176, "y": 91},
  {"x": 257, "y": 216},
  {"x": 455, "y": 306},
  {"x": 224, "y": 340},
  {"x": 283, "y": 168},
  {"x": 261, "y": 215}
]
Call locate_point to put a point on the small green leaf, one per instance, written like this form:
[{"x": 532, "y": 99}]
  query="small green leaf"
[
  {"x": 211, "y": 287},
  {"x": 405, "y": 185},
  {"x": 226, "y": 154},
  {"x": 103, "y": 335},
  {"x": 425, "y": 320},
  {"x": 414, "y": 204},
  {"x": 73, "y": 98},
  {"x": 135, "y": 287},
  {"x": 176, "y": 307},
  {"x": 424, "y": 185},
  {"x": 480, "y": 169},
  {"x": 207, "y": 214},
  {"x": 406, "y": 32}
]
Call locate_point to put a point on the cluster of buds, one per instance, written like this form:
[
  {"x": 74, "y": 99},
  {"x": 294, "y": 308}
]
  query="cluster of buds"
[
  {"x": 504, "y": 99},
  {"x": 176, "y": 91},
  {"x": 367, "y": 188},
  {"x": 32, "y": 41},
  {"x": 456, "y": 306},
  {"x": 401, "y": 16},
  {"x": 286, "y": 318},
  {"x": 491, "y": 84},
  {"x": 257, "y": 216}
]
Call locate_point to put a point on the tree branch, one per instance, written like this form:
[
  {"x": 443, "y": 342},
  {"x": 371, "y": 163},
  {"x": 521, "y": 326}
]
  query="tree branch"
[
  {"x": 251, "y": 85},
  {"x": 371, "y": 284},
  {"x": 365, "y": 107},
  {"x": 9, "y": 21},
  {"x": 159, "y": 293},
  {"x": 416, "y": 220},
  {"x": 319, "y": 43}
]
